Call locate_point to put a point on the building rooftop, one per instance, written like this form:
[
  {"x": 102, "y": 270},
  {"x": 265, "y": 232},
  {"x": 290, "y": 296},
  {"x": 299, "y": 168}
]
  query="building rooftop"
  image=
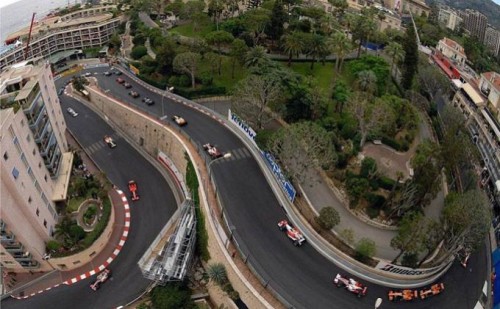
[
  {"x": 493, "y": 78},
  {"x": 475, "y": 97},
  {"x": 454, "y": 45},
  {"x": 17, "y": 72}
]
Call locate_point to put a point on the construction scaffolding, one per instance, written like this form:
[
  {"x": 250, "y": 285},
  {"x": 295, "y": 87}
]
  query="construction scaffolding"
[{"x": 172, "y": 261}]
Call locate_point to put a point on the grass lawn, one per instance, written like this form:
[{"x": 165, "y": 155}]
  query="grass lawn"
[
  {"x": 323, "y": 74},
  {"x": 74, "y": 203},
  {"x": 187, "y": 30}
]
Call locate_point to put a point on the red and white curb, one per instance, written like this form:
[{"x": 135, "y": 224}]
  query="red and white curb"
[{"x": 110, "y": 259}]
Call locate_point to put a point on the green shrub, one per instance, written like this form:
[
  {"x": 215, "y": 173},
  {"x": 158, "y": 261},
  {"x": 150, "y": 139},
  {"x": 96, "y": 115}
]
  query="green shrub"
[
  {"x": 139, "y": 39},
  {"x": 197, "y": 93},
  {"x": 138, "y": 52},
  {"x": 184, "y": 81},
  {"x": 328, "y": 218},
  {"x": 202, "y": 240},
  {"x": 101, "y": 224},
  {"x": 365, "y": 250},
  {"x": 206, "y": 79},
  {"x": 263, "y": 137},
  {"x": 152, "y": 82},
  {"x": 53, "y": 245},
  {"x": 385, "y": 182}
]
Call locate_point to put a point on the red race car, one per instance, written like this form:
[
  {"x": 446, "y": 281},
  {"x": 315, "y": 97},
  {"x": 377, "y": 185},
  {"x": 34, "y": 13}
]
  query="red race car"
[
  {"x": 406, "y": 295},
  {"x": 132, "y": 187},
  {"x": 351, "y": 285},
  {"x": 435, "y": 289},
  {"x": 294, "y": 234},
  {"x": 101, "y": 278}
]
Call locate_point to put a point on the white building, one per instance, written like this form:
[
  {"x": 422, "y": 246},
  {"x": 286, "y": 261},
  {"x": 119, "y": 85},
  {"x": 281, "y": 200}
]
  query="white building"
[
  {"x": 78, "y": 30},
  {"x": 449, "y": 18},
  {"x": 35, "y": 164},
  {"x": 452, "y": 50},
  {"x": 489, "y": 84},
  {"x": 492, "y": 40}
]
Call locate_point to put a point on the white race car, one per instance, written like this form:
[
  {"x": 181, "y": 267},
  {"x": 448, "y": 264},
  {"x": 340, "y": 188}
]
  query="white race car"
[
  {"x": 179, "y": 120},
  {"x": 101, "y": 278},
  {"x": 212, "y": 151},
  {"x": 109, "y": 140},
  {"x": 294, "y": 234},
  {"x": 351, "y": 285}
]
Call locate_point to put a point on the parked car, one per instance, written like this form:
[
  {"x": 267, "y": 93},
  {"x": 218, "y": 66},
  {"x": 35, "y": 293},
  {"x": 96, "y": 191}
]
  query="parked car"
[{"x": 71, "y": 112}]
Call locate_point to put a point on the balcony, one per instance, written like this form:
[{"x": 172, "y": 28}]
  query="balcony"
[
  {"x": 7, "y": 237},
  {"x": 2, "y": 225},
  {"x": 14, "y": 246},
  {"x": 22, "y": 256},
  {"x": 29, "y": 264}
]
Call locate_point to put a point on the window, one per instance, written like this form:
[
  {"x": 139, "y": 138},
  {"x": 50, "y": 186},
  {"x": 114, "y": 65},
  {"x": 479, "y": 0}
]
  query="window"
[
  {"x": 25, "y": 161},
  {"x": 38, "y": 212},
  {"x": 45, "y": 177},
  {"x": 22, "y": 122},
  {"x": 28, "y": 138},
  {"x": 5, "y": 156},
  {"x": 40, "y": 164},
  {"x": 15, "y": 173},
  {"x": 29, "y": 200},
  {"x": 34, "y": 151},
  {"x": 45, "y": 223}
]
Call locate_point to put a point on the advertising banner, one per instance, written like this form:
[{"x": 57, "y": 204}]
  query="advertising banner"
[
  {"x": 285, "y": 184},
  {"x": 407, "y": 271},
  {"x": 249, "y": 132}
]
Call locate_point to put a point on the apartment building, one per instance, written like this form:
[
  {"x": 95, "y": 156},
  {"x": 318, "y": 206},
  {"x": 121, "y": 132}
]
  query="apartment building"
[
  {"x": 449, "y": 18},
  {"x": 416, "y": 7},
  {"x": 474, "y": 23},
  {"x": 468, "y": 100},
  {"x": 489, "y": 84},
  {"x": 82, "y": 29},
  {"x": 452, "y": 50},
  {"x": 492, "y": 40},
  {"x": 35, "y": 164}
]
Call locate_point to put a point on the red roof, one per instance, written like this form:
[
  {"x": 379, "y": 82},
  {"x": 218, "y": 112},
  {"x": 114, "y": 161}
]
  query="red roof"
[{"x": 493, "y": 78}]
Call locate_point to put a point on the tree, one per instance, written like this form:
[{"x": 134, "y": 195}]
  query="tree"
[
  {"x": 217, "y": 273},
  {"x": 410, "y": 62},
  {"x": 427, "y": 173},
  {"x": 256, "y": 21},
  {"x": 431, "y": 80},
  {"x": 165, "y": 56},
  {"x": 172, "y": 295},
  {"x": 115, "y": 41},
  {"x": 410, "y": 234},
  {"x": 215, "y": 9},
  {"x": 138, "y": 52},
  {"x": 278, "y": 19},
  {"x": 219, "y": 39},
  {"x": 433, "y": 236},
  {"x": 362, "y": 26},
  {"x": 466, "y": 219},
  {"x": 256, "y": 57},
  {"x": 187, "y": 63},
  {"x": 370, "y": 117},
  {"x": 253, "y": 97},
  {"x": 365, "y": 249},
  {"x": 328, "y": 218},
  {"x": 366, "y": 81},
  {"x": 396, "y": 52},
  {"x": 316, "y": 47},
  {"x": 293, "y": 44},
  {"x": 340, "y": 46},
  {"x": 339, "y": 7},
  {"x": 303, "y": 147},
  {"x": 368, "y": 168},
  {"x": 238, "y": 50},
  {"x": 340, "y": 95}
]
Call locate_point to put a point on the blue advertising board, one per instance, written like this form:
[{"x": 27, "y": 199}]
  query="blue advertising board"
[{"x": 285, "y": 184}]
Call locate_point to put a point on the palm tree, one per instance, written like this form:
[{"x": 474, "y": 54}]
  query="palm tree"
[
  {"x": 256, "y": 56},
  {"x": 217, "y": 273},
  {"x": 340, "y": 47},
  {"x": 316, "y": 48},
  {"x": 396, "y": 52},
  {"x": 293, "y": 44},
  {"x": 366, "y": 81}
]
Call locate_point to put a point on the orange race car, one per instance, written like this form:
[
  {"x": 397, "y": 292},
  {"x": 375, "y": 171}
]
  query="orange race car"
[
  {"x": 406, "y": 295},
  {"x": 132, "y": 186},
  {"x": 435, "y": 289}
]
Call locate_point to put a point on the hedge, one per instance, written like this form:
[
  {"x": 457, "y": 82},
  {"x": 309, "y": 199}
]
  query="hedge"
[
  {"x": 197, "y": 93},
  {"x": 385, "y": 182},
  {"x": 202, "y": 240}
]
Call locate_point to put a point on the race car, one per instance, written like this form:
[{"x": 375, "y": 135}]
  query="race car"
[
  {"x": 120, "y": 80},
  {"x": 134, "y": 94},
  {"x": 127, "y": 85},
  {"x": 351, "y": 285},
  {"x": 212, "y": 151},
  {"x": 406, "y": 295},
  {"x": 132, "y": 186},
  {"x": 435, "y": 289},
  {"x": 101, "y": 278},
  {"x": 148, "y": 101},
  {"x": 294, "y": 234},
  {"x": 179, "y": 120},
  {"x": 109, "y": 140}
]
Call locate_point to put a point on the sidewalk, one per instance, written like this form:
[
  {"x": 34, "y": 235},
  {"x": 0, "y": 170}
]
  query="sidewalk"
[{"x": 29, "y": 285}]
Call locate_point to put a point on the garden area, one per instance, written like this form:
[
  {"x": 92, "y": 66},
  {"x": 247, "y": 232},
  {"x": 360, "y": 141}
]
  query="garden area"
[{"x": 85, "y": 215}]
